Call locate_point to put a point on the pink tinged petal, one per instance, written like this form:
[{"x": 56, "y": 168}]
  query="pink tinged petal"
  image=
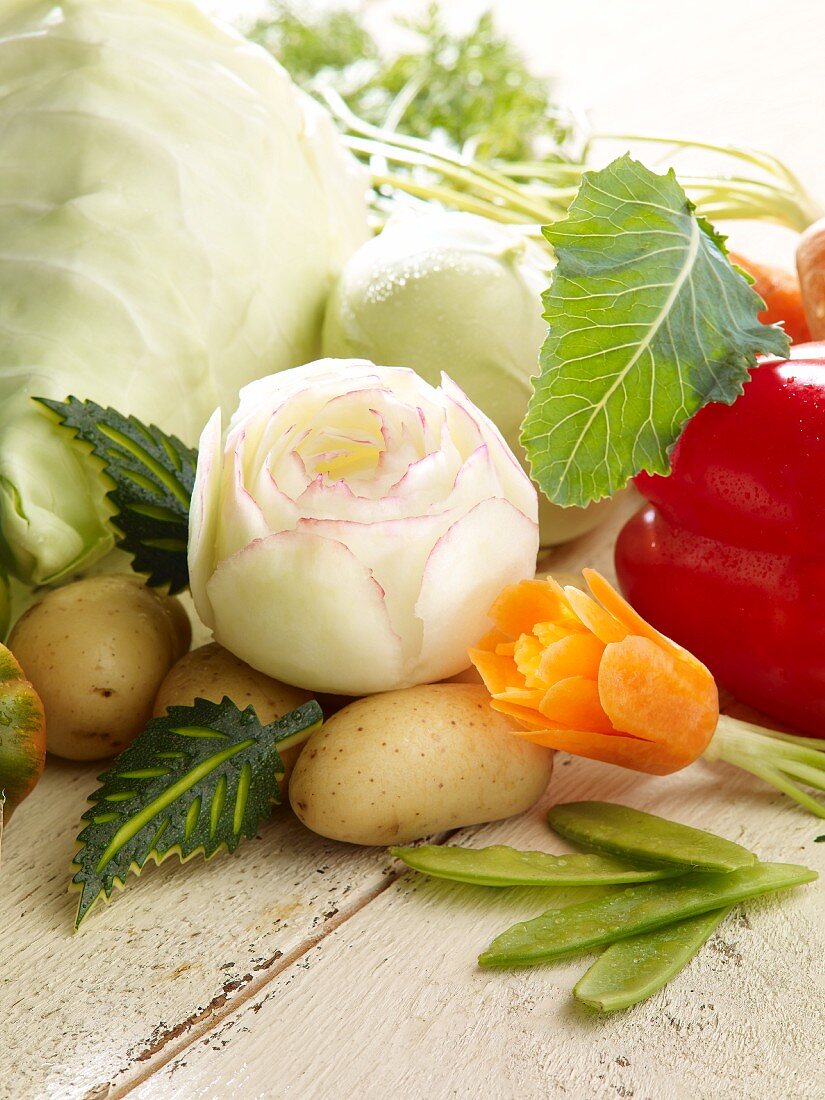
[
  {"x": 289, "y": 473},
  {"x": 393, "y": 465},
  {"x": 281, "y": 438},
  {"x": 286, "y": 409},
  {"x": 518, "y": 487},
  {"x": 395, "y": 552},
  {"x": 426, "y": 482},
  {"x": 203, "y": 515},
  {"x": 462, "y": 411},
  {"x": 354, "y": 409},
  {"x": 337, "y": 502},
  {"x": 491, "y": 547},
  {"x": 463, "y": 419},
  {"x": 278, "y": 509},
  {"x": 241, "y": 520},
  {"x": 400, "y": 451},
  {"x": 436, "y": 430},
  {"x": 304, "y": 610},
  {"x": 312, "y": 379},
  {"x": 326, "y": 500},
  {"x": 477, "y": 480},
  {"x": 345, "y": 424}
]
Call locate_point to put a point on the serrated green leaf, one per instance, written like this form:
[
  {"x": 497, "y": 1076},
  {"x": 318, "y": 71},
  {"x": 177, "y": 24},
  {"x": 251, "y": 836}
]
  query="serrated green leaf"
[
  {"x": 152, "y": 476},
  {"x": 648, "y": 322},
  {"x": 197, "y": 780}
]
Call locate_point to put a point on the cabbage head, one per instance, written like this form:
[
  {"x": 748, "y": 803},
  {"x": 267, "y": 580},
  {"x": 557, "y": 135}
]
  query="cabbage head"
[
  {"x": 173, "y": 212},
  {"x": 455, "y": 292}
]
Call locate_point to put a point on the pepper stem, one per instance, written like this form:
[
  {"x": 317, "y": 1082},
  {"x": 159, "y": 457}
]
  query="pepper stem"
[{"x": 784, "y": 760}]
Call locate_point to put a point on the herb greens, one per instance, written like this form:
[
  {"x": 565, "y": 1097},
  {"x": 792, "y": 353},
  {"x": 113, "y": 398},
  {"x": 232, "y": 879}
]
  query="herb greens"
[{"x": 472, "y": 91}]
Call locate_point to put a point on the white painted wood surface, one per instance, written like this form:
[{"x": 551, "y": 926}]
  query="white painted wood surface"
[
  {"x": 301, "y": 968},
  {"x": 82, "y": 1013},
  {"x": 391, "y": 1004}
]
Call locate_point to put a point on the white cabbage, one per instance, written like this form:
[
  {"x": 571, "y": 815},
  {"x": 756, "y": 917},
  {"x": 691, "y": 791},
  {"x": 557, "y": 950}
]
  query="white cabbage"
[{"x": 173, "y": 212}]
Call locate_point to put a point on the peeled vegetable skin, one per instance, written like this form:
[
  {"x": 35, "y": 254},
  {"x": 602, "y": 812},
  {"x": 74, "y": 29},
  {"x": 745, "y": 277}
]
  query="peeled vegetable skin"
[
  {"x": 394, "y": 767},
  {"x": 173, "y": 212}
]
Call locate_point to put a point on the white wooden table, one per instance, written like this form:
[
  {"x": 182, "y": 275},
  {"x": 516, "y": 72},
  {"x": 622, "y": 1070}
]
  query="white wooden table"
[{"x": 303, "y": 968}]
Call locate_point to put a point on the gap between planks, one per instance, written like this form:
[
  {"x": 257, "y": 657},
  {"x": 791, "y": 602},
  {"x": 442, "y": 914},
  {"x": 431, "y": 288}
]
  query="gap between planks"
[
  {"x": 404, "y": 963},
  {"x": 212, "y": 1018},
  {"x": 177, "y": 1040},
  {"x": 191, "y": 1030}
]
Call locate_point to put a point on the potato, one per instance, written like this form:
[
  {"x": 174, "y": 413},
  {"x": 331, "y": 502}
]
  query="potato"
[
  {"x": 96, "y": 652},
  {"x": 469, "y": 675},
  {"x": 210, "y": 672},
  {"x": 394, "y": 767}
]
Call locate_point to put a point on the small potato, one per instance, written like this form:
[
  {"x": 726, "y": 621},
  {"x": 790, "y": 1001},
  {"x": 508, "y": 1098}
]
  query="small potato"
[
  {"x": 394, "y": 767},
  {"x": 96, "y": 652},
  {"x": 469, "y": 675},
  {"x": 210, "y": 672}
]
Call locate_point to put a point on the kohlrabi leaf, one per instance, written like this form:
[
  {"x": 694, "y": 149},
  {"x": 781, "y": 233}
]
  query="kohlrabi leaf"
[
  {"x": 152, "y": 475},
  {"x": 197, "y": 780},
  {"x": 648, "y": 322}
]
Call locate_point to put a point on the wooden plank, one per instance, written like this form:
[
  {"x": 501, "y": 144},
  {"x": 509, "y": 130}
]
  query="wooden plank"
[
  {"x": 166, "y": 958},
  {"x": 392, "y": 1003},
  {"x": 183, "y": 945}
]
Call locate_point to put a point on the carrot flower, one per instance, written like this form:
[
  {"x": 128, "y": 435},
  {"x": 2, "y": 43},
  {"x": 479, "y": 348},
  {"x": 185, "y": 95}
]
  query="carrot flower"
[{"x": 587, "y": 674}]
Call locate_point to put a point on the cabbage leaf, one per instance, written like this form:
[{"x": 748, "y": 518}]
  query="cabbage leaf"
[{"x": 173, "y": 212}]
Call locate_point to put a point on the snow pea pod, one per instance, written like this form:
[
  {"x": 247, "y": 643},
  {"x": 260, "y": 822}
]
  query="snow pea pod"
[
  {"x": 579, "y": 928},
  {"x": 633, "y": 969},
  {"x": 632, "y": 834},
  {"x": 501, "y": 865}
]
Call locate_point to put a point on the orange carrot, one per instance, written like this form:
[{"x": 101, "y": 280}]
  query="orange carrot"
[
  {"x": 810, "y": 264},
  {"x": 594, "y": 678},
  {"x": 783, "y": 297}
]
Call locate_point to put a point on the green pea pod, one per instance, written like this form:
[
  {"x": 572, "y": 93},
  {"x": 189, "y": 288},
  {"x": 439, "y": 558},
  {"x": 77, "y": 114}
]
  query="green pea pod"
[
  {"x": 634, "y": 835},
  {"x": 501, "y": 865},
  {"x": 632, "y": 970},
  {"x": 580, "y": 928}
]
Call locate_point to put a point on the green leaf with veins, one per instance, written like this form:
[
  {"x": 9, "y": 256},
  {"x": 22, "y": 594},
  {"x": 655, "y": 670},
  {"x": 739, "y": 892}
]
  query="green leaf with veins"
[
  {"x": 197, "y": 780},
  {"x": 152, "y": 476},
  {"x": 648, "y": 322}
]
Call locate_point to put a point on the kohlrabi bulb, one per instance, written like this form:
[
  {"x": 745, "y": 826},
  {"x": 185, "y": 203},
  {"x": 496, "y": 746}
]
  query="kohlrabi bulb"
[{"x": 454, "y": 292}]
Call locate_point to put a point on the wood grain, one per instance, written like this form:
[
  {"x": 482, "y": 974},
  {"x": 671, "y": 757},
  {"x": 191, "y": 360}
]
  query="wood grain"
[
  {"x": 392, "y": 1003},
  {"x": 80, "y": 1013}
]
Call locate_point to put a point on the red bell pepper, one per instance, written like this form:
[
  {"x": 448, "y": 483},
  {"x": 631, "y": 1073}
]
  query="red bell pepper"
[{"x": 729, "y": 559}]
